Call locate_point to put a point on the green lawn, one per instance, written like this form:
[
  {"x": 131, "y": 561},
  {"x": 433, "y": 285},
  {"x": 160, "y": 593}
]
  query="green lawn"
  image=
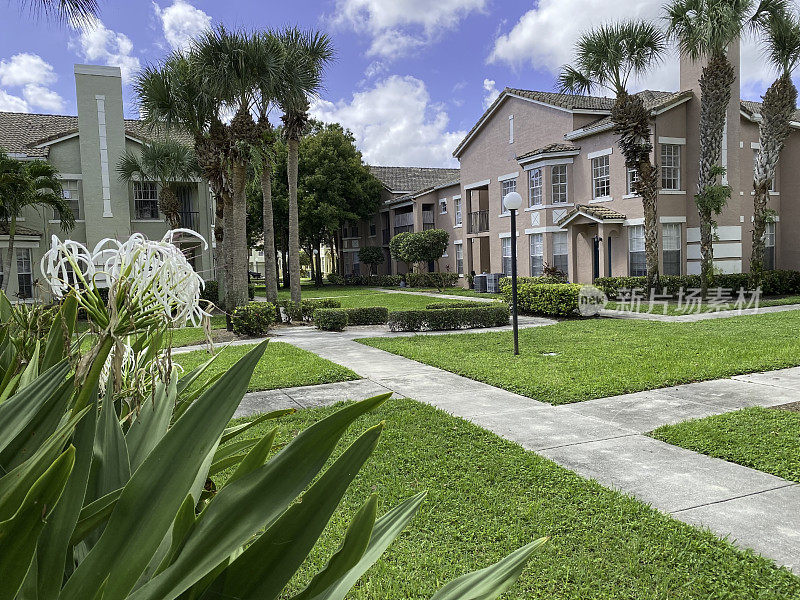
[
  {"x": 579, "y": 360},
  {"x": 187, "y": 336},
  {"x": 761, "y": 438},
  {"x": 673, "y": 309},
  {"x": 487, "y": 496},
  {"x": 458, "y": 291},
  {"x": 282, "y": 366}
]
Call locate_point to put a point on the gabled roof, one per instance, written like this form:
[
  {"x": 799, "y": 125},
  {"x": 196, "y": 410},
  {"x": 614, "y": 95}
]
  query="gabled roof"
[
  {"x": 753, "y": 110},
  {"x": 424, "y": 191},
  {"x": 20, "y": 231},
  {"x": 406, "y": 180},
  {"x": 600, "y": 214},
  {"x": 550, "y": 149},
  {"x": 29, "y": 133}
]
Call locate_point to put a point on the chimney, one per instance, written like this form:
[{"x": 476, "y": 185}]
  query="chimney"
[{"x": 101, "y": 128}]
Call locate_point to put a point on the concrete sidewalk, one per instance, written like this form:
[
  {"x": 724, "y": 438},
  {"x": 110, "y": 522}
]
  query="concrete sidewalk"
[
  {"x": 691, "y": 318},
  {"x": 600, "y": 439}
]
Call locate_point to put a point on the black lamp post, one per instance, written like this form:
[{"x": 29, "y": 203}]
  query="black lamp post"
[{"x": 513, "y": 202}]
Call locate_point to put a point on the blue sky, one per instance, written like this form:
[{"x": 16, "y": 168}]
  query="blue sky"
[{"x": 411, "y": 77}]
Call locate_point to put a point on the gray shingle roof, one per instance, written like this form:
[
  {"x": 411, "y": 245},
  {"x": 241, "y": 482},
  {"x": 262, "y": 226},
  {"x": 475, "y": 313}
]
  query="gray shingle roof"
[
  {"x": 550, "y": 149},
  {"x": 20, "y": 132},
  {"x": 754, "y": 108},
  {"x": 412, "y": 179},
  {"x": 568, "y": 101}
]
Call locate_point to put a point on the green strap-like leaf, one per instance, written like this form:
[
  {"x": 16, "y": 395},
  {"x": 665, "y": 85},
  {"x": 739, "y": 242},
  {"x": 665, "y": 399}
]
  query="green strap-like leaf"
[
  {"x": 151, "y": 424},
  {"x": 60, "y": 332},
  {"x": 31, "y": 372},
  {"x": 240, "y": 509},
  {"x": 111, "y": 468},
  {"x": 160, "y": 485},
  {"x": 184, "y": 521},
  {"x": 232, "y": 432},
  {"x": 492, "y": 581},
  {"x": 93, "y": 515},
  {"x": 19, "y": 534},
  {"x": 268, "y": 564},
  {"x": 342, "y": 572},
  {"x": 255, "y": 458}
]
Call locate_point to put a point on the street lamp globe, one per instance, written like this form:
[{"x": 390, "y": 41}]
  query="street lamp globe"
[{"x": 513, "y": 201}]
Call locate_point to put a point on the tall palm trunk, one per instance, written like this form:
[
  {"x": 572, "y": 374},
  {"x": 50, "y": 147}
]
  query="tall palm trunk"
[
  {"x": 632, "y": 124},
  {"x": 715, "y": 94},
  {"x": 777, "y": 111},
  {"x": 294, "y": 219},
  {"x": 238, "y": 235},
  {"x": 9, "y": 256},
  {"x": 227, "y": 257},
  {"x": 270, "y": 262}
]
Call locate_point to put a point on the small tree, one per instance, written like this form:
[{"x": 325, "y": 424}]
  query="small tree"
[
  {"x": 429, "y": 246},
  {"x": 372, "y": 256},
  {"x": 399, "y": 248}
]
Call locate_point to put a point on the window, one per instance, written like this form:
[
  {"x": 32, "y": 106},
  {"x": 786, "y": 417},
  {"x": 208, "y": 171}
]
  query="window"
[
  {"x": 145, "y": 200},
  {"x": 560, "y": 251},
  {"x": 443, "y": 206},
  {"x": 458, "y": 217},
  {"x": 511, "y": 129},
  {"x": 601, "y": 177},
  {"x": 558, "y": 183},
  {"x": 670, "y": 167},
  {"x": 506, "y": 255},
  {"x": 769, "y": 247},
  {"x": 671, "y": 241},
  {"x": 509, "y": 185},
  {"x": 637, "y": 264},
  {"x": 537, "y": 254},
  {"x": 373, "y": 230},
  {"x": 356, "y": 264},
  {"x": 70, "y": 193},
  {"x": 534, "y": 187},
  {"x": 459, "y": 259},
  {"x": 24, "y": 273},
  {"x": 632, "y": 180}
]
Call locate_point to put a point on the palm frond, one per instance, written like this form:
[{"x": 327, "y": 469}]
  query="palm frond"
[{"x": 68, "y": 12}]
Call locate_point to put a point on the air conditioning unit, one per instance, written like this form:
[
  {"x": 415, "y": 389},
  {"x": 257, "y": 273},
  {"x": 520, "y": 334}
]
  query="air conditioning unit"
[
  {"x": 493, "y": 282},
  {"x": 480, "y": 283}
]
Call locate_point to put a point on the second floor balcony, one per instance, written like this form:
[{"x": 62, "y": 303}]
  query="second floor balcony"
[{"x": 478, "y": 222}]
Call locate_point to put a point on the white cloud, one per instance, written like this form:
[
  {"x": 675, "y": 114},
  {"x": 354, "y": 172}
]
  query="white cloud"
[
  {"x": 43, "y": 97},
  {"x": 24, "y": 68},
  {"x": 544, "y": 38},
  {"x": 98, "y": 43},
  {"x": 33, "y": 74},
  {"x": 374, "y": 69},
  {"x": 11, "y": 103},
  {"x": 395, "y": 123},
  {"x": 181, "y": 22},
  {"x": 399, "y": 27},
  {"x": 490, "y": 87}
]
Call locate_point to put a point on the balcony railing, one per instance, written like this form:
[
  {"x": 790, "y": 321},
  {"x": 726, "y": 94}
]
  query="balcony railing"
[
  {"x": 404, "y": 229},
  {"x": 478, "y": 221},
  {"x": 189, "y": 219}
]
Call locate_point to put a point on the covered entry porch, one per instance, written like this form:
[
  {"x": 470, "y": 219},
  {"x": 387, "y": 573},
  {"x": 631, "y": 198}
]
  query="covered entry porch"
[{"x": 597, "y": 243}]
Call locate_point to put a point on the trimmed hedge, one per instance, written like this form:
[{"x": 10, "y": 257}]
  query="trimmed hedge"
[
  {"x": 775, "y": 283},
  {"x": 455, "y": 304},
  {"x": 425, "y": 280},
  {"x": 330, "y": 319},
  {"x": 370, "y": 315},
  {"x": 211, "y": 292},
  {"x": 306, "y": 311},
  {"x": 547, "y": 299},
  {"x": 505, "y": 282},
  {"x": 253, "y": 319},
  {"x": 449, "y": 318}
]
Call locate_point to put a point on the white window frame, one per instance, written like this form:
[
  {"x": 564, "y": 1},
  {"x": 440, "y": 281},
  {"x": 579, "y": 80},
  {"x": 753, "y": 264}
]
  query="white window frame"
[
  {"x": 670, "y": 171},
  {"x": 601, "y": 177},
  {"x": 506, "y": 187},
  {"x": 442, "y": 206},
  {"x": 535, "y": 187},
  {"x": 459, "y": 259},
  {"x": 631, "y": 177},
  {"x": 636, "y": 247},
  {"x": 561, "y": 243},
  {"x": 510, "y": 129},
  {"x": 139, "y": 188},
  {"x": 68, "y": 187},
  {"x": 536, "y": 244},
  {"x": 23, "y": 255},
  {"x": 769, "y": 244},
  {"x": 559, "y": 186},
  {"x": 505, "y": 246},
  {"x": 459, "y": 217},
  {"x": 671, "y": 238}
]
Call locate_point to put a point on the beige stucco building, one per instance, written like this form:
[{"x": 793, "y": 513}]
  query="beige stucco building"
[
  {"x": 580, "y": 213},
  {"x": 86, "y": 150}
]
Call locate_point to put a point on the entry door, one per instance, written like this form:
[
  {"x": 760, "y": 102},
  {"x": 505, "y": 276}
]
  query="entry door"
[{"x": 595, "y": 258}]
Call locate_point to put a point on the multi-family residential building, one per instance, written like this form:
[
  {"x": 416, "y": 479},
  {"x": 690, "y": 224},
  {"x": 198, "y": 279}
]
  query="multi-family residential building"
[
  {"x": 581, "y": 214},
  {"x": 86, "y": 150}
]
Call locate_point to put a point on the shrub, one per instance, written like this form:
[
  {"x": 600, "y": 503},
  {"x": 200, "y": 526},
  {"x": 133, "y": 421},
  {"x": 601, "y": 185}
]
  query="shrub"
[
  {"x": 253, "y": 319},
  {"x": 449, "y": 318},
  {"x": 330, "y": 319},
  {"x": 371, "y": 256},
  {"x": 429, "y": 280},
  {"x": 548, "y": 299},
  {"x": 371, "y": 315},
  {"x": 505, "y": 282},
  {"x": 774, "y": 283},
  {"x": 453, "y": 304},
  {"x": 306, "y": 310},
  {"x": 367, "y": 280}
]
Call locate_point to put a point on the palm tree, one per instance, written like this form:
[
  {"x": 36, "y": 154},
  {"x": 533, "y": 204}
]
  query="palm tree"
[
  {"x": 25, "y": 184},
  {"x": 167, "y": 162},
  {"x": 605, "y": 59},
  {"x": 704, "y": 29},
  {"x": 268, "y": 83},
  {"x": 781, "y": 28},
  {"x": 65, "y": 11},
  {"x": 307, "y": 53}
]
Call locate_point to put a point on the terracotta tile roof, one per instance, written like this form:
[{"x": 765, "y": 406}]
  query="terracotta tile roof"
[
  {"x": 603, "y": 213},
  {"x": 20, "y": 132},
  {"x": 754, "y": 108},
  {"x": 412, "y": 179},
  {"x": 550, "y": 149},
  {"x": 426, "y": 190},
  {"x": 21, "y": 230}
]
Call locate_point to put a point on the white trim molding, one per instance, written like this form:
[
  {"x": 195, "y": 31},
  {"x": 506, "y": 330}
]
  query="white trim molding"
[
  {"x": 548, "y": 229},
  {"x": 755, "y": 146},
  {"x": 599, "y": 153},
  {"x": 672, "y": 219},
  {"x": 633, "y": 222},
  {"x": 664, "y": 192},
  {"x": 540, "y": 162},
  {"x": 70, "y": 176},
  {"x": 477, "y": 184},
  {"x": 506, "y": 234},
  {"x": 458, "y": 242},
  {"x": 508, "y": 176},
  {"x": 671, "y": 140},
  {"x": 104, "y": 175}
]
